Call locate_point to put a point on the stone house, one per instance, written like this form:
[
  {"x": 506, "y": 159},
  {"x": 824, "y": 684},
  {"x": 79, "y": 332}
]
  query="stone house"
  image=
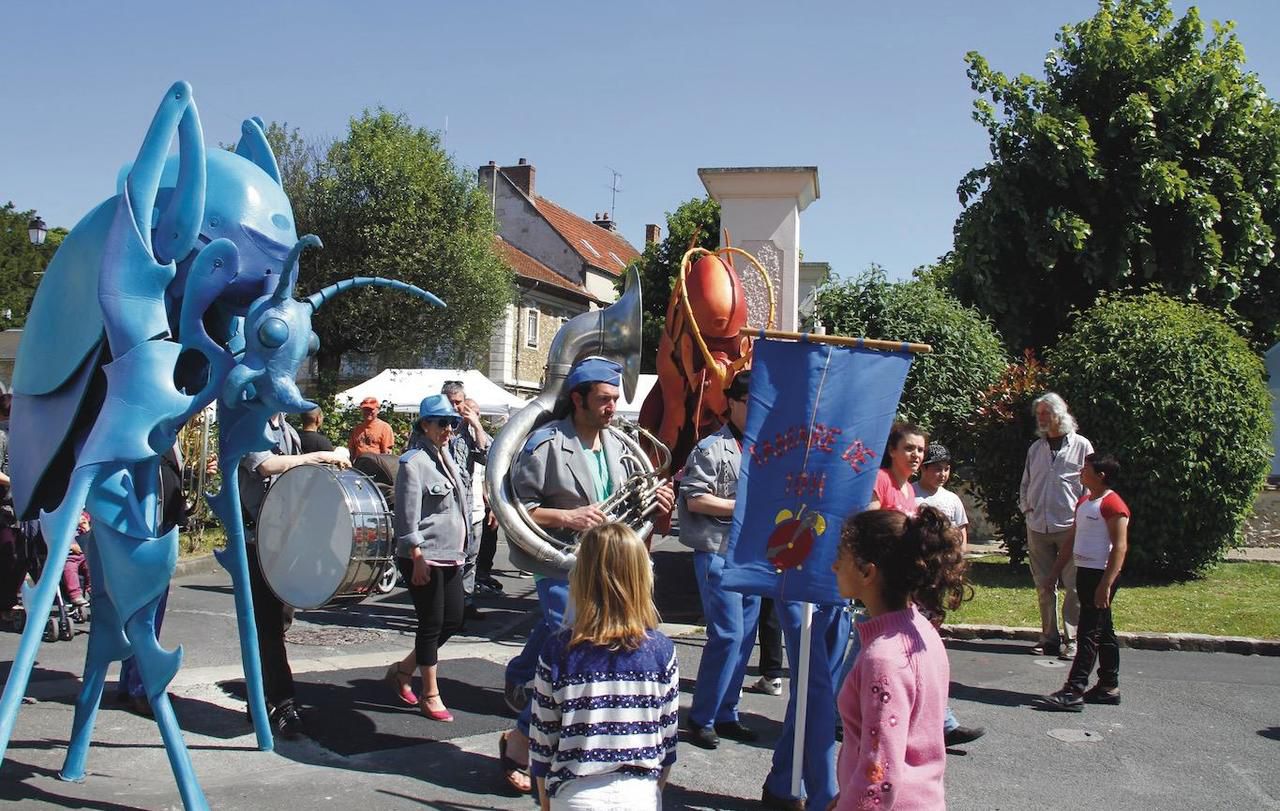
[{"x": 564, "y": 265}]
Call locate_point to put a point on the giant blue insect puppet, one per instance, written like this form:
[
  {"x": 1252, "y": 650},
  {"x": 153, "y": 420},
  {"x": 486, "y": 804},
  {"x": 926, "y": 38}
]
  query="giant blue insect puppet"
[{"x": 176, "y": 291}]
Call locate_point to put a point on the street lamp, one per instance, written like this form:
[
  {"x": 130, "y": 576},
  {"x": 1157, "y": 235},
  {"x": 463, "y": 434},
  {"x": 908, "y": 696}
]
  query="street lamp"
[{"x": 37, "y": 231}]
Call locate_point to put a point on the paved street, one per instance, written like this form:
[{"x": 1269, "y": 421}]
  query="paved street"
[{"x": 1196, "y": 730}]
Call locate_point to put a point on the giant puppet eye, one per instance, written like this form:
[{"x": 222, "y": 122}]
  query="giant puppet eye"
[
  {"x": 273, "y": 333},
  {"x": 313, "y": 345}
]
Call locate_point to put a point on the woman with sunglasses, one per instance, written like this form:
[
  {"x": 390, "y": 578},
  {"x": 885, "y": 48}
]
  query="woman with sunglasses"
[{"x": 431, "y": 526}]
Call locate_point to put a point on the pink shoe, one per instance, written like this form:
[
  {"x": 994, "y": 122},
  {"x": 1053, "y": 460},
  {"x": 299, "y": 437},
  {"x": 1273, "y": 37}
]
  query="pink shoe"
[
  {"x": 404, "y": 684},
  {"x": 434, "y": 715}
]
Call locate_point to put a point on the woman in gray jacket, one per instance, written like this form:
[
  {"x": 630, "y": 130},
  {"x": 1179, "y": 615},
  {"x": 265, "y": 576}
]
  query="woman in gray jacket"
[{"x": 431, "y": 526}]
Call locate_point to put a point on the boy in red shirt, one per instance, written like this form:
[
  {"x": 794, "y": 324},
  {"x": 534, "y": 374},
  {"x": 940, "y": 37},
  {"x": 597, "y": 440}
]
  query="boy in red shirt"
[{"x": 1098, "y": 543}]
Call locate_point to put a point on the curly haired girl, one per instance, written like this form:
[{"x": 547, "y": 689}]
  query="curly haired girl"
[{"x": 894, "y": 701}]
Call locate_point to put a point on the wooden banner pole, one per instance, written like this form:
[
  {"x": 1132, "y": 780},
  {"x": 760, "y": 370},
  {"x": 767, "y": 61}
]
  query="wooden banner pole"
[{"x": 839, "y": 340}]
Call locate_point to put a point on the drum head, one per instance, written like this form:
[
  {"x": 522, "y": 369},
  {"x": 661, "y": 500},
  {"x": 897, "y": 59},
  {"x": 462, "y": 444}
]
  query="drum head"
[{"x": 304, "y": 536}]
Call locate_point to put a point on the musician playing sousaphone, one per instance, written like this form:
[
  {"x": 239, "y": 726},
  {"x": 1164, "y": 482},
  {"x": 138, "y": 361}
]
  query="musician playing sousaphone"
[{"x": 567, "y": 468}]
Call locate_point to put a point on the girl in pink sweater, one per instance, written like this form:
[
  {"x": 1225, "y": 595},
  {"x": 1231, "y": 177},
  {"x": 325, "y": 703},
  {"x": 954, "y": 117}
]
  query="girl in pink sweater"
[{"x": 894, "y": 701}]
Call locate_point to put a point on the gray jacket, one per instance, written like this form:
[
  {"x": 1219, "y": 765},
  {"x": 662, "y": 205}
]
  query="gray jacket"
[
  {"x": 254, "y": 486},
  {"x": 712, "y": 469},
  {"x": 553, "y": 470},
  {"x": 432, "y": 512}
]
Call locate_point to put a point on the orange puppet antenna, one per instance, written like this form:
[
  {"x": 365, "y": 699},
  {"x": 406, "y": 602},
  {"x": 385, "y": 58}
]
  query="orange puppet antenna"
[
  {"x": 728, "y": 243},
  {"x": 693, "y": 240}
]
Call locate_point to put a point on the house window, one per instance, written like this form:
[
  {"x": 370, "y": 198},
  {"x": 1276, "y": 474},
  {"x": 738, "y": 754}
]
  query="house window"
[{"x": 531, "y": 327}]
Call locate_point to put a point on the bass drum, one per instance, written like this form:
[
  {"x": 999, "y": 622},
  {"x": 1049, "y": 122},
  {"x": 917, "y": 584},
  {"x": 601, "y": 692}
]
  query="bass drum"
[
  {"x": 324, "y": 536},
  {"x": 382, "y": 468}
]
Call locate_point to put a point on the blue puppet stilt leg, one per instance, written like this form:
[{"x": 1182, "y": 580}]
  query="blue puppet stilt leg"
[
  {"x": 226, "y": 504},
  {"x": 59, "y": 529},
  {"x": 107, "y": 643},
  {"x": 157, "y": 667}
]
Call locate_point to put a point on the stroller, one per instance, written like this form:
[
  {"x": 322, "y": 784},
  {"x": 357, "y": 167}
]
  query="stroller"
[{"x": 64, "y": 615}]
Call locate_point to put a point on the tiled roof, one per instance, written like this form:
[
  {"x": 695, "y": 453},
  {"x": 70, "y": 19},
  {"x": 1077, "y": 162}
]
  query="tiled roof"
[
  {"x": 526, "y": 267},
  {"x": 601, "y": 249}
]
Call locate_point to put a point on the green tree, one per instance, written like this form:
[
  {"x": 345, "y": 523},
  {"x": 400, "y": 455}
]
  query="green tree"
[
  {"x": 1178, "y": 397},
  {"x": 1147, "y": 155},
  {"x": 694, "y": 222},
  {"x": 388, "y": 201},
  {"x": 944, "y": 386},
  {"x": 21, "y": 263},
  {"x": 300, "y": 161}
]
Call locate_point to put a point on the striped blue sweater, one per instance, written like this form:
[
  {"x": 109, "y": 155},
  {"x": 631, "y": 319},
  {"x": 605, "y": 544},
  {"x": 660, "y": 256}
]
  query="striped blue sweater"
[{"x": 597, "y": 711}]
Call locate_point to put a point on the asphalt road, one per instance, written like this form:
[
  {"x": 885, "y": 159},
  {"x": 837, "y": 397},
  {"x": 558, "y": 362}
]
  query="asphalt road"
[{"x": 1195, "y": 731}]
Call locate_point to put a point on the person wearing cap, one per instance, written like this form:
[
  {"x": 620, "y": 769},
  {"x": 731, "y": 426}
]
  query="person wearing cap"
[
  {"x": 432, "y": 528},
  {"x": 931, "y": 489},
  {"x": 708, "y": 492},
  {"x": 567, "y": 467},
  {"x": 371, "y": 435},
  {"x": 256, "y": 473}
]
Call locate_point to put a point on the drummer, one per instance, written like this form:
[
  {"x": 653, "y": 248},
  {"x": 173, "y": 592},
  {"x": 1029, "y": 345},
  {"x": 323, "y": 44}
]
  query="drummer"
[
  {"x": 432, "y": 526},
  {"x": 257, "y": 472}
]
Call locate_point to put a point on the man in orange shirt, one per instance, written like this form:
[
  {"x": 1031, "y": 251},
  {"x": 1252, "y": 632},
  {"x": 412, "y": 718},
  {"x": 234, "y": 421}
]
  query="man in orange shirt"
[{"x": 372, "y": 435}]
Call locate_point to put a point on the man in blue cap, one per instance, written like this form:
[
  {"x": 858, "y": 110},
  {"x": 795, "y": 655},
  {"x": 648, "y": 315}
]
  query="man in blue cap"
[{"x": 566, "y": 469}]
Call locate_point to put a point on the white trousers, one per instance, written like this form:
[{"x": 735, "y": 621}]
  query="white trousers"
[{"x": 608, "y": 792}]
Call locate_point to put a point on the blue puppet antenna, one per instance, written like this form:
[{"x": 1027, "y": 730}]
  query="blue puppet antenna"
[
  {"x": 289, "y": 275},
  {"x": 318, "y": 298}
]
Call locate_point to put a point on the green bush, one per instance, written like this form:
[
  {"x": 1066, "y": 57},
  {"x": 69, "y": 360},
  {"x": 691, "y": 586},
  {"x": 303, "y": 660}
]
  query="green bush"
[
  {"x": 1002, "y": 428},
  {"x": 1178, "y": 397},
  {"x": 943, "y": 386}
]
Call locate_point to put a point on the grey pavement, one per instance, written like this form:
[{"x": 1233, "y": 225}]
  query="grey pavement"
[{"x": 1196, "y": 730}]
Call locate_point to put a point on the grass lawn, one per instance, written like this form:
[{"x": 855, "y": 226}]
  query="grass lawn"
[
  {"x": 194, "y": 543},
  {"x": 1233, "y": 599}
]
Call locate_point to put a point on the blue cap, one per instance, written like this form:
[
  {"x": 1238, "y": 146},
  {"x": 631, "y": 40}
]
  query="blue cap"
[
  {"x": 437, "y": 405},
  {"x": 594, "y": 370}
]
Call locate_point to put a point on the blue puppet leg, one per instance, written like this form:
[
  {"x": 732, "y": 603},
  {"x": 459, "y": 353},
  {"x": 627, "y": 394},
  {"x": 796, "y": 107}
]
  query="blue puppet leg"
[
  {"x": 107, "y": 643},
  {"x": 226, "y": 504},
  {"x": 59, "y": 529}
]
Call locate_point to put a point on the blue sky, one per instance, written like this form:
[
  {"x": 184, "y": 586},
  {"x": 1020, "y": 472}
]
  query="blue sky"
[{"x": 872, "y": 93}]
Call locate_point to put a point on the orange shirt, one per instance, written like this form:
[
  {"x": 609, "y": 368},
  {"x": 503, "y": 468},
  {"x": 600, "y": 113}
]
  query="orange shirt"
[{"x": 370, "y": 437}]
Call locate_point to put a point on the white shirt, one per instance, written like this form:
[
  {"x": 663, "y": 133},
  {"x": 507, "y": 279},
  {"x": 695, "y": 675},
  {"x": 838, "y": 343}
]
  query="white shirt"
[
  {"x": 945, "y": 502},
  {"x": 1051, "y": 483}
]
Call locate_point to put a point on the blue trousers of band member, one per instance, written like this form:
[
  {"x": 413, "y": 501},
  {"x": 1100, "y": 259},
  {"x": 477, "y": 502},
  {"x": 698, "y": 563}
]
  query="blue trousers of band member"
[
  {"x": 553, "y": 598},
  {"x": 731, "y": 619},
  {"x": 829, "y": 638}
]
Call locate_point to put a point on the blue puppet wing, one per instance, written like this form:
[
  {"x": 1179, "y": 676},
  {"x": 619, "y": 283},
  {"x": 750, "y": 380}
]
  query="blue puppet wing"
[{"x": 816, "y": 428}]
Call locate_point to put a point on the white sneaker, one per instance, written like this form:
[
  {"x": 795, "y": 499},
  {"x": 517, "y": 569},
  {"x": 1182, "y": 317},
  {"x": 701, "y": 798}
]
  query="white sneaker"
[
  {"x": 1068, "y": 652},
  {"x": 766, "y": 686}
]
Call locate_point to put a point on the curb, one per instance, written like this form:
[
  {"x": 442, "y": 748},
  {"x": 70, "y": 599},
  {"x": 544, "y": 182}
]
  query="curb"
[
  {"x": 1144, "y": 640},
  {"x": 198, "y": 564}
]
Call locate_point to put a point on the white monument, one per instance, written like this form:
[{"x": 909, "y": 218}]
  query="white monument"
[{"x": 760, "y": 208}]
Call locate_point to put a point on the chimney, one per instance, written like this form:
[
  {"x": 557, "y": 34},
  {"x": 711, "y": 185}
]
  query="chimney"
[
  {"x": 485, "y": 177},
  {"x": 604, "y": 222},
  {"x": 521, "y": 175},
  {"x": 652, "y": 234}
]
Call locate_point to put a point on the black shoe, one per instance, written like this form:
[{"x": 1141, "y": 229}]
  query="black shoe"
[
  {"x": 705, "y": 738},
  {"x": 1045, "y": 649},
  {"x": 962, "y": 735},
  {"x": 1064, "y": 700},
  {"x": 770, "y": 800},
  {"x": 286, "y": 721},
  {"x": 735, "y": 731},
  {"x": 1097, "y": 694}
]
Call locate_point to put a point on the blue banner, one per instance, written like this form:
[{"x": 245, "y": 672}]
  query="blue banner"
[{"x": 817, "y": 425}]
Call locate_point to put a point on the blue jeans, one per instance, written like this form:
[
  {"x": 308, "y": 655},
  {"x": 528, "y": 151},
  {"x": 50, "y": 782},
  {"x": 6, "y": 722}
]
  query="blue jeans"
[
  {"x": 553, "y": 597},
  {"x": 731, "y": 619},
  {"x": 830, "y": 635}
]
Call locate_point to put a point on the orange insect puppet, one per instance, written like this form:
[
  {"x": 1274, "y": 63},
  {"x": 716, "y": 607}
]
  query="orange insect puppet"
[{"x": 701, "y": 350}]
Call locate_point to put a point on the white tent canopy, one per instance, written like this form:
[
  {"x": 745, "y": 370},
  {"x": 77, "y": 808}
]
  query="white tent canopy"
[{"x": 405, "y": 388}]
